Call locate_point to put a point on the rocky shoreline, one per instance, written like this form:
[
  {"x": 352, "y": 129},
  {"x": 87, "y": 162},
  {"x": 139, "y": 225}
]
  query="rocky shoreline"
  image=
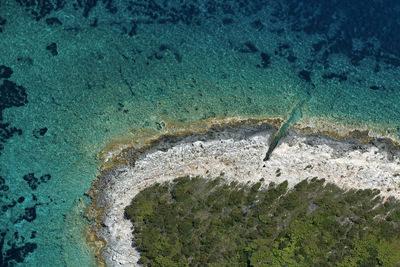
[{"x": 236, "y": 153}]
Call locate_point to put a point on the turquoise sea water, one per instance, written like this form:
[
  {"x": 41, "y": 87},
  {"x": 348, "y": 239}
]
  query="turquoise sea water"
[{"x": 75, "y": 75}]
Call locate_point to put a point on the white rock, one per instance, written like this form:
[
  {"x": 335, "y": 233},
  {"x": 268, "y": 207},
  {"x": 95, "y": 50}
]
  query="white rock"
[{"x": 240, "y": 156}]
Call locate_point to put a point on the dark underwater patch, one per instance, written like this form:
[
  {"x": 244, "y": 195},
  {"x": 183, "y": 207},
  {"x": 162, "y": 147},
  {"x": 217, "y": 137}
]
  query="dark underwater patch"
[
  {"x": 34, "y": 182},
  {"x": 4, "y": 208},
  {"x": 53, "y": 21},
  {"x": 305, "y": 75},
  {"x": 265, "y": 60},
  {"x": 377, "y": 88},
  {"x": 17, "y": 251},
  {"x": 11, "y": 95},
  {"x": 3, "y": 186},
  {"x": 284, "y": 50},
  {"x": 248, "y": 47},
  {"x": 52, "y": 48},
  {"x": 29, "y": 215},
  {"x": 5, "y": 72},
  {"x": 340, "y": 76},
  {"x": 2, "y": 23},
  {"x": 39, "y": 132},
  {"x": 352, "y": 21},
  {"x": 257, "y": 24},
  {"x": 133, "y": 30},
  {"x": 7, "y": 132},
  {"x": 227, "y": 21},
  {"x": 160, "y": 54},
  {"x": 17, "y": 247},
  {"x": 375, "y": 24},
  {"x": 39, "y": 9}
]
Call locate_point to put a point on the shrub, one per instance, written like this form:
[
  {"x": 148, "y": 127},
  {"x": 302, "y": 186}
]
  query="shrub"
[{"x": 197, "y": 222}]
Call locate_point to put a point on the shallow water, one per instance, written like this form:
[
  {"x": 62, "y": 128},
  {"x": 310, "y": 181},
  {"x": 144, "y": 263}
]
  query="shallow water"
[{"x": 75, "y": 77}]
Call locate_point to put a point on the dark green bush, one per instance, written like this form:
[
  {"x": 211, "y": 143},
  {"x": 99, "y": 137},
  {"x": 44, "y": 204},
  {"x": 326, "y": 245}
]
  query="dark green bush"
[{"x": 198, "y": 222}]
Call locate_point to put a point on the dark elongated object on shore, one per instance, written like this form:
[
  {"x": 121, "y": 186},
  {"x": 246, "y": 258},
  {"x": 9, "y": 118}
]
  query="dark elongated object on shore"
[{"x": 294, "y": 116}]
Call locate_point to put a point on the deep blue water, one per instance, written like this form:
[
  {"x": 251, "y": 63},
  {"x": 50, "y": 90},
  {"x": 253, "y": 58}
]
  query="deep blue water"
[{"x": 75, "y": 75}]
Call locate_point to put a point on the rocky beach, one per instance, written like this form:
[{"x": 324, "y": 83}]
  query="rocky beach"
[{"x": 236, "y": 154}]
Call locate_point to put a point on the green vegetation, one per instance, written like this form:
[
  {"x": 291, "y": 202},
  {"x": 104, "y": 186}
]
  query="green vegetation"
[{"x": 198, "y": 222}]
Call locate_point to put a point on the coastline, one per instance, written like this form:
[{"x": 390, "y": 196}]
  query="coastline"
[{"x": 235, "y": 148}]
